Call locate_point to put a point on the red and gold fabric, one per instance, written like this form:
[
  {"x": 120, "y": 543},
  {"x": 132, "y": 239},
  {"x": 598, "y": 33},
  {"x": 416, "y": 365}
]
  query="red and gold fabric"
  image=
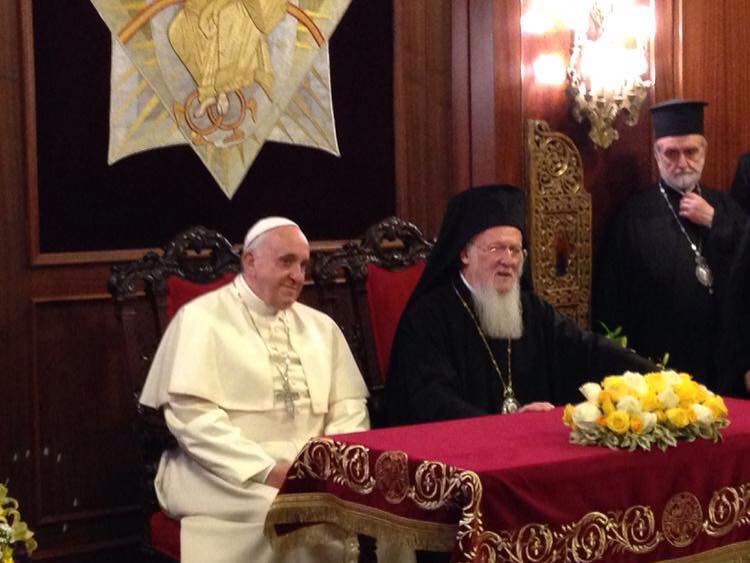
[{"x": 512, "y": 488}]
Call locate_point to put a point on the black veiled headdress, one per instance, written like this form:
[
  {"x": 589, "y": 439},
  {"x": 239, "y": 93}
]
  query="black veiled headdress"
[{"x": 468, "y": 214}]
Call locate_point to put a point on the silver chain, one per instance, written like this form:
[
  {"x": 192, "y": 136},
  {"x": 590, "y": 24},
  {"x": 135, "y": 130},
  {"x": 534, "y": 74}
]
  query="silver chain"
[
  {"x": 509, "y": 404},
  {"x": 702, "y": 271},
  {"x": 287, "y": 393}
]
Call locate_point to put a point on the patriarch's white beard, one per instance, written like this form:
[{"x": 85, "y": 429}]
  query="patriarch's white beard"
[{"x": 500, "y": 314}]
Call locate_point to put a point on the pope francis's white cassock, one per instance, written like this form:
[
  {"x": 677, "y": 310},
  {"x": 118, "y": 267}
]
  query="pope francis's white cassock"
[{"x": 244, "y": 386}]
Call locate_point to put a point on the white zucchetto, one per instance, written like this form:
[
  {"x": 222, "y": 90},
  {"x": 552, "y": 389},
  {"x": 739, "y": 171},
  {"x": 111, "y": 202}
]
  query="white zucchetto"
[{"x": 264, "y": 225}]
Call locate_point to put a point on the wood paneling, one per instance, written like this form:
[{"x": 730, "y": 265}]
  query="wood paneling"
[
  {"x": 460, "y": 95},
  {"x": 509, "y": 116},
  {"x": 422, "y": 110},
  {"x": 16, "y": 445},
  {"x": 715, "y": 42},
  {"x": 482, "y": 91},
  {"x": 82, "y": 409}
]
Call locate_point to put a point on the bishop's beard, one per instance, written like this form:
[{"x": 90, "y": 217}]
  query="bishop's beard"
[{"x": 500, "y": 314}]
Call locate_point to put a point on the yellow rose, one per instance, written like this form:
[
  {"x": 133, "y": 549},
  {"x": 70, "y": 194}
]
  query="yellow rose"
[
  {"x": 605, "y": 400},
  {"x": 717, "y": 406},
  {"x": 702, "y": 394},
  {"x": 687, "y": 392},
  {"x": 684, "y": 376},
  {"x": 568, "y": 415},
  {"x": 650, "y": 401},
  {"x": 618, "y": 421},
  {"x": 655, "y": 381},
  {"x": 678, "y": 417},
  {"x": 615, "y": 385}
]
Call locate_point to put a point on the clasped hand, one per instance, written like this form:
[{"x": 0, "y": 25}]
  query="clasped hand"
[{"x": 696, "y": 209}]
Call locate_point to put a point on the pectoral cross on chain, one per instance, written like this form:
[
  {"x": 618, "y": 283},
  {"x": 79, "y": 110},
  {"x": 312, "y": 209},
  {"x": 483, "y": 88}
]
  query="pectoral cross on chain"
[{"x": 287, "y": 394}]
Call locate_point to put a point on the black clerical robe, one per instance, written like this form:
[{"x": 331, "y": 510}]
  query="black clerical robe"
[
  {"x": 734, "y": 351},
  {"x": 440, "y": 368},
  {"x": 649, "y": 285}
]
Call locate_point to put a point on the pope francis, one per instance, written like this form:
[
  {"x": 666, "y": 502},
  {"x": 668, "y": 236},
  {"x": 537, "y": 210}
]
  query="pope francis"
[{"x": 245, "y": 376}]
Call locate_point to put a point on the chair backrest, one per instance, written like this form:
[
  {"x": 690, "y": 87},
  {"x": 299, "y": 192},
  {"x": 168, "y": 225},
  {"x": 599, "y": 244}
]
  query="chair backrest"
[
  {"x": 393, "y": 252},
  {"x": 387, "y": 294},
  {"x": 147, "y": 292}
]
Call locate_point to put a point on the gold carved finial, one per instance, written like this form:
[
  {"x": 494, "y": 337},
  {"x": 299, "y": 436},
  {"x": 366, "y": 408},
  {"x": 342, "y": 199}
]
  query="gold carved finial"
[{"x": 559, "y": 221}]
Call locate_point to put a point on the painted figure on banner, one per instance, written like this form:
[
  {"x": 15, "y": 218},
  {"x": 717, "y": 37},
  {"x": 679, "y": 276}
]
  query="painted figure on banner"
[
  {"x": 224, "y": 47},
  {"x": 224, "y": 76}
]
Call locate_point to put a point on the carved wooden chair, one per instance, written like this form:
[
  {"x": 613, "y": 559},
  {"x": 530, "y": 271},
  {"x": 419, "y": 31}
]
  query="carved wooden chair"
[
  {"x": 380, "y": 272},
  {"x": 147, "y": 293}
]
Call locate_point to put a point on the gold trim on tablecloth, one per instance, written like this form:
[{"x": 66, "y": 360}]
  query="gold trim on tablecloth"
[
  {"x": 354, "y": 518},
  {"x": 733, "y": 553},
  {"x": 436, "y": 485}
]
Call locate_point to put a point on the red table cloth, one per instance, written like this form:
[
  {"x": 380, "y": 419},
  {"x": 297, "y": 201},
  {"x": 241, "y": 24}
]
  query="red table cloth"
[{"x": 512, "y": 488}]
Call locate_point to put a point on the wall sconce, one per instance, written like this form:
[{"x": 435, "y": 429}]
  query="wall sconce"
[{"x": 606, "y": 66}]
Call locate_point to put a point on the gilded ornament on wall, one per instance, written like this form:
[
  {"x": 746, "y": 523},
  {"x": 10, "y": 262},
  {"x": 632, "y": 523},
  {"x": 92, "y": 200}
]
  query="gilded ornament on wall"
[{"x": 559, "y": 221}]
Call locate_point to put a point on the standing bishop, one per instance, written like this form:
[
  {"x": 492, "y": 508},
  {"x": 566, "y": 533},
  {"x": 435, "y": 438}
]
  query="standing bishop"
[{"x": 666, "y": 264}]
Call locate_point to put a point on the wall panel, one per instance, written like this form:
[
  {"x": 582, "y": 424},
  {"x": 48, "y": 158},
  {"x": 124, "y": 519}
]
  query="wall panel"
[
  {"x": 16, "y": 451},
  {"x": 82, "y": 408},
  {"x": 422, "y": 109},
  {"x": 715, "y": 42}
]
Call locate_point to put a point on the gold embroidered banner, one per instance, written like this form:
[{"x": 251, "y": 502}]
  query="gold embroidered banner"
[{"x": 223, "y": 76}]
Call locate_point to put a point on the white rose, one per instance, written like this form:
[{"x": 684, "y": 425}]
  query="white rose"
[
  {"x": 670, "y": 377},
  {"x": 586, "y": 414},
  {"x": 629, "y": 404},
  {"x": 649, "y": 421},
  {"x": 636, "y": 382},
  {"x": 668, "y": 398},
  {"x": 591, "y": 391},
  {"x": 702, "y": 413}
]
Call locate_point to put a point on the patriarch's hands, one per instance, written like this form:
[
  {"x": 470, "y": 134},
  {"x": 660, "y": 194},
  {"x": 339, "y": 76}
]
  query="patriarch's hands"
[{"x": 537, "y": 406}]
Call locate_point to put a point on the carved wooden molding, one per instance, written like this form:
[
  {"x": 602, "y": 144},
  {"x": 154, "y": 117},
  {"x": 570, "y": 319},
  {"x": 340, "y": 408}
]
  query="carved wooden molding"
[
  {"x": 197, "y": 254},
  {"x": 559, "y": 221},
  {"x": 392, "y": 243}
]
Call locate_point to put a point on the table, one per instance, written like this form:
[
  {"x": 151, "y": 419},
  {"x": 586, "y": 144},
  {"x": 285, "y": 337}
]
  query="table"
[{"x": 512, "y": 487}]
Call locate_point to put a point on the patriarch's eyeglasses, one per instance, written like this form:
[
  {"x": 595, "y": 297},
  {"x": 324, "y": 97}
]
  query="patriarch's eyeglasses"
[{"x": 513, "y": 250}]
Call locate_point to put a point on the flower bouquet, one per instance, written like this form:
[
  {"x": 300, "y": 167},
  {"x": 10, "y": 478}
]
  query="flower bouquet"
[
  {"x": 637, "y": 411},
  {"x": 16, "y": 540}
]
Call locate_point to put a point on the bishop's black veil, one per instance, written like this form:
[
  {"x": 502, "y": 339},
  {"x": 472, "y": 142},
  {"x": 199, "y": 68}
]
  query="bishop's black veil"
[{"x": 468, "y": 214}]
